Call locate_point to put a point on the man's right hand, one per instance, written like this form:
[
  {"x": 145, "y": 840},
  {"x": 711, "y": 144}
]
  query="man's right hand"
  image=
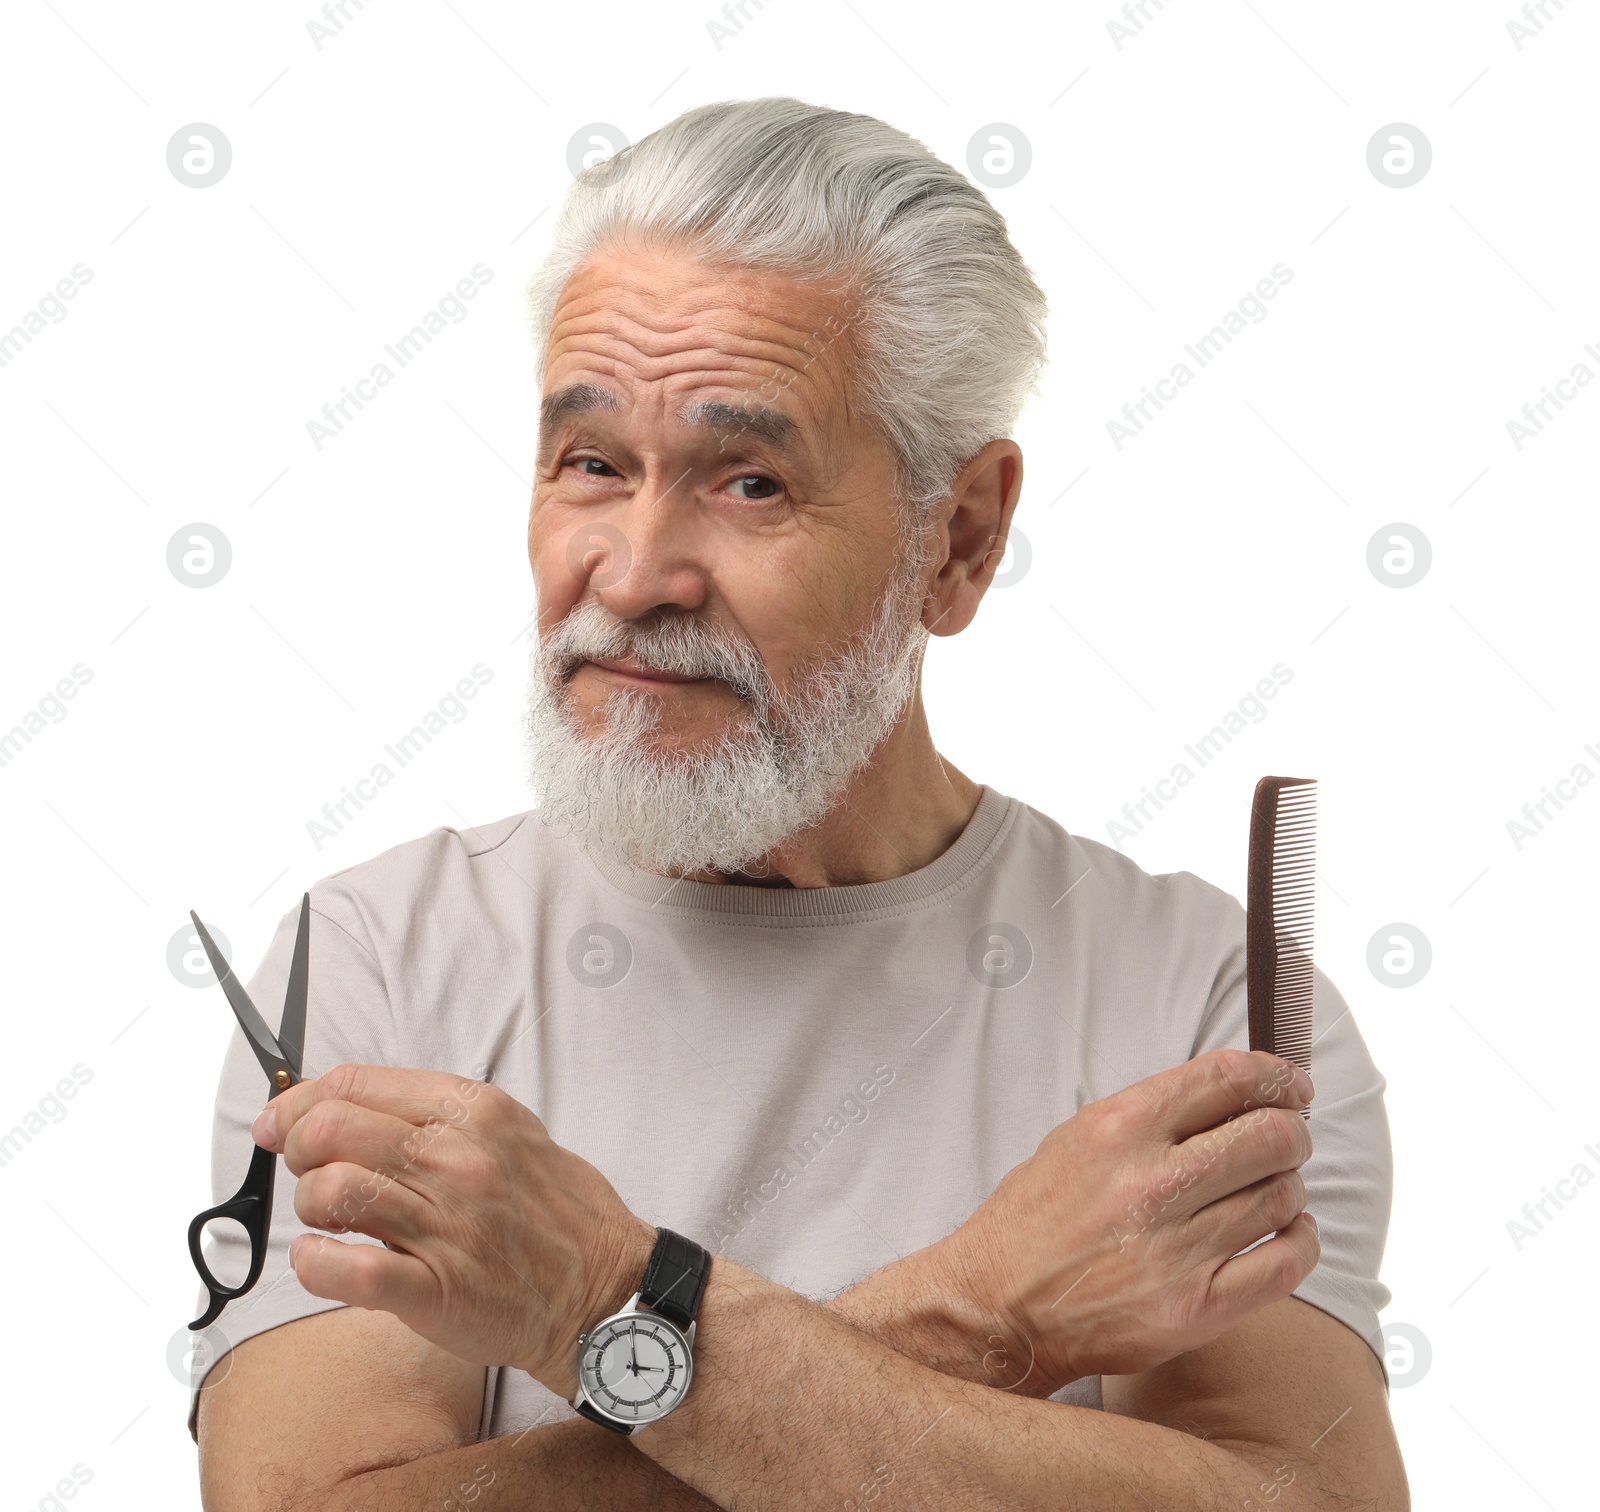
[{"x": 1115, "y": 1246}]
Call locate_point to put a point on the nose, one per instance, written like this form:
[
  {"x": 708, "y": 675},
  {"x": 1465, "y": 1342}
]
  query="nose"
[{"x": 643, "y": 556}]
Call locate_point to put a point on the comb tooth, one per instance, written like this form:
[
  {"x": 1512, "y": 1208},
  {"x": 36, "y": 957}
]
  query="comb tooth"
[{"x": 1281, "y": 916}]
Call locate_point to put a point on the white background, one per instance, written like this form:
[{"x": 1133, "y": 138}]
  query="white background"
[{"x": 1166, "y": 578}]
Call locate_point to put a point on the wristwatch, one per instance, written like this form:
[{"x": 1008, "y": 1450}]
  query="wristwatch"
[{"x": 634, "y": 1367}]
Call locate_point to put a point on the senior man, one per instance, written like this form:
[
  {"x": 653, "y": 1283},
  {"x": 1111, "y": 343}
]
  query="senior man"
[{"x": 770, "y": 1044}]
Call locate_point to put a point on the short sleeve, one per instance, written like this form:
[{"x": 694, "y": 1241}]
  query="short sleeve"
[
  {"x": 1350, "y": 1175},
  {"x": 348, "y": 1018}
]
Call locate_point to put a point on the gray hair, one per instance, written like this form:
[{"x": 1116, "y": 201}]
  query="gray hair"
[{"x": 949, "y": 321}]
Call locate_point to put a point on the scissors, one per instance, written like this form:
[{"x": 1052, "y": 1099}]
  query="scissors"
[{"x": 280, "y": 1057}]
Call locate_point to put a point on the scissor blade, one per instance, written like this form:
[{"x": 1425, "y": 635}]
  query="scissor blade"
[
  {"x": 254, "y": 1026},
  {"x": 292, "y": 1028}
]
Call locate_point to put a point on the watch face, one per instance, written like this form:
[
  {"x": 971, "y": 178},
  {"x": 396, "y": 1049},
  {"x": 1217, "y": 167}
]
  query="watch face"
[{"x": 635, "y": 1367}]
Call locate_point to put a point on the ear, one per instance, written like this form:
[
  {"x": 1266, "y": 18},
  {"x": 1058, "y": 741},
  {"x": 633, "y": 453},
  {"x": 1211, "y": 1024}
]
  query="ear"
[{"x": 976, "y": 520}]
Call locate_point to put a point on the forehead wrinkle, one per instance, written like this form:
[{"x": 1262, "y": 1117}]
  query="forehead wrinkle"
[
  {"x": 664, "y": 327},
  {"x": 662, "y": 297}
]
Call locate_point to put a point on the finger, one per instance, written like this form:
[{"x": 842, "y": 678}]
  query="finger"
[
  {"x": 1268, "y": 1273},
  {"x": 333, "y": 1130},
  {"x": 364, "y": 1275},
  {"x": 415, "y": 1096},
  {"x": 1225, "y": 1227},
  {"x": 1239, "y": 1153},
  {"x": 1211, "y": 1088},
  {"x": 345, "y": 1198}
]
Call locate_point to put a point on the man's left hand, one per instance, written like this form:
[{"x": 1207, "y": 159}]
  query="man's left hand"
[{"x": 502, "y": 1247}]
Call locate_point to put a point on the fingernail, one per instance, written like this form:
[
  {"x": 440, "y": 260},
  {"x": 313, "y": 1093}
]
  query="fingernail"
[
  {"x": 1309, "y": 1089},
  {"x": 265, "y": 1129},
  {"x": 1315, "y": 1226},
  {"x": 294, "y": 1251}
]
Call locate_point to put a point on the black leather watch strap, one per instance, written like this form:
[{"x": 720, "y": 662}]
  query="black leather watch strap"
[
  {"x": 675, "y": 1279},
  {"x": 586, "y": 1409}
]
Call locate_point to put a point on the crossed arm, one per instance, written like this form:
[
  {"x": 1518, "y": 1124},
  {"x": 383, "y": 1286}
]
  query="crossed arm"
[{"x": 923, "y": 1385}]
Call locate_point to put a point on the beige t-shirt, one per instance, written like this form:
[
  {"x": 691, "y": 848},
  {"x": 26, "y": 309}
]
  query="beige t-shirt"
[{"x": 810, "y": 1081}]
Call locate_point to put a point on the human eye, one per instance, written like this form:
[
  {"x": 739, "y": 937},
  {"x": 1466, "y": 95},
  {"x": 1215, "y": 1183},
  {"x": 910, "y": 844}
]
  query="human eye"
[
  {"x": 763, "y": 486},
  {"x": 593, "y": 467}
]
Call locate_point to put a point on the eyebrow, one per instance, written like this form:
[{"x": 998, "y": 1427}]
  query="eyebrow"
[
  {"x": 742, "y": 419},
  {"x": 574, "y": 399},
  {"x": 715, "y": 415}
]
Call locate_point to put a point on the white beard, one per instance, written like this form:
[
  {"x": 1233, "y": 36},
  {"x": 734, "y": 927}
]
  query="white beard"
[{"x": 780, "y": 766}]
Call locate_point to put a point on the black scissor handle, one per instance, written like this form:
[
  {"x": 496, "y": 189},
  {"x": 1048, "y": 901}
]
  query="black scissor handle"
[{"x": 251, "y": 1206}]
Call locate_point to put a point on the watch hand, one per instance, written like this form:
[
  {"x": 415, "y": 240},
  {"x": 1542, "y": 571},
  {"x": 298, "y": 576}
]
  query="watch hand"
[{"x": 633, "y": 1340}]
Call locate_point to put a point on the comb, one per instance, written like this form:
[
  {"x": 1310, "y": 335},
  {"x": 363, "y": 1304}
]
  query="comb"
[{"x": 1279, "y": 917}]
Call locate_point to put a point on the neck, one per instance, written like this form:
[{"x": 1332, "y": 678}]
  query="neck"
[{"x": 901, "y": 812}]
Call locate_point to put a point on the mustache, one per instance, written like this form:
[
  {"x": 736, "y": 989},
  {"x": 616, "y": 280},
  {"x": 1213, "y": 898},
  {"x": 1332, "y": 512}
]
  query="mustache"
[{"x": 680, "y": 643}]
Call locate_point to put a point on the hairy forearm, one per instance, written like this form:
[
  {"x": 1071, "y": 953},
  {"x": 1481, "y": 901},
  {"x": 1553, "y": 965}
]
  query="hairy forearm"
[
  {"x": 793, "y": 1408},
  {"x": 572, "y": 1464},
  {"x": 911, "y": 1307}
]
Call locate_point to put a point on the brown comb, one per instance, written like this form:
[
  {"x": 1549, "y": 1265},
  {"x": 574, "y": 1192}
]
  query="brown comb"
[{"x": 1279, "y": 917}]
